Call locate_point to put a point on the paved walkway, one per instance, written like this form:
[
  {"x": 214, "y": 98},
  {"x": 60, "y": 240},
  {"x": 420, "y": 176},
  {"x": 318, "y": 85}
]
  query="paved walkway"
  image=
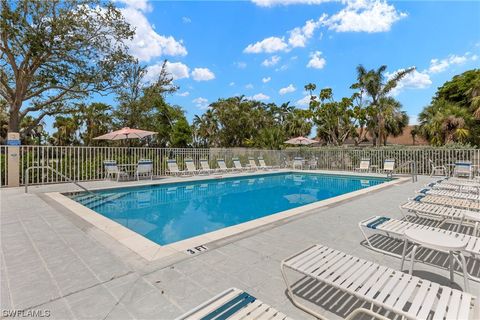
[{"x": 52, "y": 260}]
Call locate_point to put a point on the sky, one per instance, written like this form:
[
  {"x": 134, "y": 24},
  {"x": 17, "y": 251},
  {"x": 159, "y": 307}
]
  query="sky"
[{"x": 270, "y": 49}]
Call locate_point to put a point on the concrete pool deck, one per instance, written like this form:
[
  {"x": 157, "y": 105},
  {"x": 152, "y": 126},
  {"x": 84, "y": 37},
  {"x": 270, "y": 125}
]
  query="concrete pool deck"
[{"x": 53, "y": 260}]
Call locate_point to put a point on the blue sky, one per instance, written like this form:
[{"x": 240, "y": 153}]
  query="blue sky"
[{"x": 270, "y": 49}]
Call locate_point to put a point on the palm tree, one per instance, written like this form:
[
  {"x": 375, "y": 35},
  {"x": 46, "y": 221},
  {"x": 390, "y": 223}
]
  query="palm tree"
[
  {"x": 395, "y": 119},
  {"x": 444, "y": 122},
  {"x": 66, "y": 130},
  {"x": 377, "y": 86},
  {"x": 95, "y": 118},
  {"x": 297, "y": 123},
  {"x": 206, "y": 127}
]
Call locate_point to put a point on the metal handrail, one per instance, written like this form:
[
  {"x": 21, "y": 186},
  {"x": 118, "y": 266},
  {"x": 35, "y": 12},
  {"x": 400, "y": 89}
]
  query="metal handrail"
[
  {"x": 413, "y": 163},
  {"x": 27, "y": 171}
]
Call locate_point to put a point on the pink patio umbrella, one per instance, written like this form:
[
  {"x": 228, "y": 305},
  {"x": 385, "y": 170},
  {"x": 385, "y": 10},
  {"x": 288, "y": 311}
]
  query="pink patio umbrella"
[
  {"x": 302, "y": 141},
  {"x": 126, "y": 133}
]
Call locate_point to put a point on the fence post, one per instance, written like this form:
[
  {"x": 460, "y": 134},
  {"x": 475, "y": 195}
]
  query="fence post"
[{"x": 13, "y": 159}]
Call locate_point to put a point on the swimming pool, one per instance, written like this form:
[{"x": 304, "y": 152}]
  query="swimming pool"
[{"x": 167, "y": 213}]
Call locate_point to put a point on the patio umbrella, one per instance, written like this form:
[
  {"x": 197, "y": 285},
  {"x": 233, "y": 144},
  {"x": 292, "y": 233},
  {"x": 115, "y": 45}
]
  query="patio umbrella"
[
  {"x": 302, "y": 141},
  {"x": 126, "y": 133}
]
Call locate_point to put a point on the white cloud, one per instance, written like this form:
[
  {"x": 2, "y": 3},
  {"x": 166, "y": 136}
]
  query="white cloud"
[
  {"x": 147, "y": 43},
  {"x": 202, "y": 74},
  {"x": 249, "y": 86},
  {"x": 141, "y": 5},
  {"x": 289, "y": 89},
  {"x": 300, "y": 35},
  {"x": 413, "y": 80},
  {"x": 273, "y": 60},
  {"x": 316, "y": 60},
  {"x": 267, "y": 45},
  {"x": 186, "y": 20},
  {"x": 183, "y": 94},
  {"x": 364, "y": 16},
  {"x": 201, "y": 103},
  {"x": 177, "y": 70},
  {"x": 282, "y": 68},
  {"x": 304, "y": 102},
  {"x": 231, "y": 84},
  {"x": 271, "y": 3},
  {"x": 440, "y": 65},
  {"x": 240, "y": 64},
  {"x": 266, "y": 79},
  {"x": 260, "y": 96}
]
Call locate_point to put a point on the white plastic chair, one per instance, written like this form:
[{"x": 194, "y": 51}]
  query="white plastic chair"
[
  {"x": 442, "y": 170},
  {"x": 297, "y": 162},
  {"x": 238, "y": 165},
  {"x": 389, "y": 167},
  {"x": 173, "y": 167},
  {"x": 144, "y": 168},
  {"x": 205, "y": 167},
  {"x": 191, "y": 166},
  {"x": 112, "y": 170},
  {"x": 364, "y": 165},
  {"x": 463, "y": 169}
]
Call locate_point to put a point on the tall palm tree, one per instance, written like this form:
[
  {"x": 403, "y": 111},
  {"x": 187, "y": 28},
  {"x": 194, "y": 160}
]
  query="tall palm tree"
[
  {"x": 66, "y": 130},
  {"x": 395, "y": 119},
  {"x": 206, "y": 127},
  {"x": 377, "y": 86},
  {"x": 297, "y": 123},
  {"x": 96, "y": 119}
]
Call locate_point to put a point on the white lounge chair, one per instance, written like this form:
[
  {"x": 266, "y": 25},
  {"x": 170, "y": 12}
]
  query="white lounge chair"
[
  {"x": 237, "y": 304},
  {"x": 173, "y": 168},
  {"x": 223, "y": 166},
  {"x": 190, "y": 165},
  {"x": 440, "y": 212},
  {"x": 450, "y": 202},
  {"x": 475, "y": 181},
  {"x": 450, "y": 194},
  {"x": 364, "y": 165},
  {"x": 445, "y": 185},
  {"x": 403, "y": 294},
  {"x": 112, "y": 170},
  {"x": 238, "y": 165},
  {"x": 144, "y": 169},
  {"x": 297, "y": 162},
  {"x": 233, "y": 303},
  {"x": 397, "y": 228},
  {"x": 436, "y": 169},
  {"x": 435, "y": 211},
  {"x": 252, "y": 163},
  {"x": 463, "y": 169},
  {"x": 206, "y": 167},
  {"x": 389, "y": 167},
  {"x": 263, "y": 165}
]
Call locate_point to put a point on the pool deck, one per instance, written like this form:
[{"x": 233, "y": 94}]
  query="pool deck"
[{"x": 51, "y": 259}]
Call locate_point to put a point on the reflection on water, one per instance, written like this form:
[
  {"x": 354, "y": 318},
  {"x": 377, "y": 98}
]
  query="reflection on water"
[{"x": 169, "y": 213}]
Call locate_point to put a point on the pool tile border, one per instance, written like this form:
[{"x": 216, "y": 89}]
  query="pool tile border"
[{"x": 152, "y": 251}]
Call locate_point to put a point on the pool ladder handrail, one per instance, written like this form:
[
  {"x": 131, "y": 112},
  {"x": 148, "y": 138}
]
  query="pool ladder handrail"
[
  {"x": 27, "y": 171},
  {"x": 413, "y": 171}
]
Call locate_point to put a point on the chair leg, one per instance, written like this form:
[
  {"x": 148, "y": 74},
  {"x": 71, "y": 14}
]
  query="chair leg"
[
  {"x": 294, "y": 300},
  {"x": 412, "y": 257}
]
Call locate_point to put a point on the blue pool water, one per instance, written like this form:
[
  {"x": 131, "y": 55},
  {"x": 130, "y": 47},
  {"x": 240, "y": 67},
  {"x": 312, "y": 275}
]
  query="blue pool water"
[{"x": 171, "y": 212}]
